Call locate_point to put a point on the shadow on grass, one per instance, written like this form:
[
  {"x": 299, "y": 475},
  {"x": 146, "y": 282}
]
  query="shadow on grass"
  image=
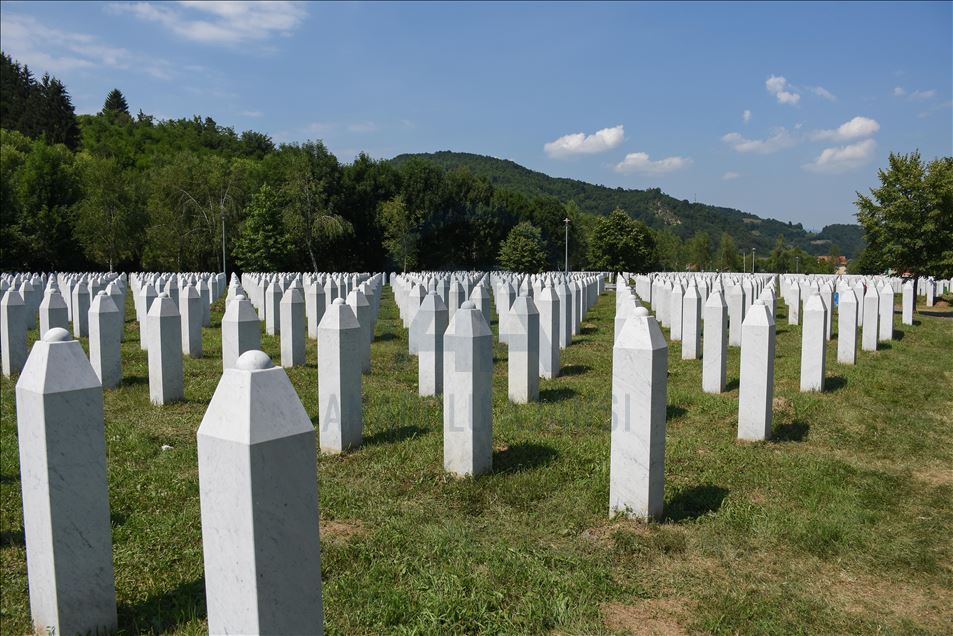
[
  {"x": 385, "y": 337},
  {"x": 556, "y": 395},
  {"x": 790, "y": 432},
  {"x": 132, "y": 380},
  {"x": 392, "y": 435},
  {"x": 587, "y": 329},
  {"x": 898, "y": 334},
  {"x": 574, "y": 369},
  {"x": 9, "y": 479},
  {"x": 691, "y": 503},
  {"x": 733, "y": 384},
  {"x": 934, "y": 314},
  {"x": 673, "y": 412},
  {"x": 163, "y": 612},
  {"x": 522, "y": 456},
  {"x": 10, "y": 539},
  {"x": 834, "y": 383}
]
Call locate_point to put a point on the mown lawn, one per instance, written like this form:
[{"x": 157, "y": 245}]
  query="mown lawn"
[{"x": 841, "y": 524}]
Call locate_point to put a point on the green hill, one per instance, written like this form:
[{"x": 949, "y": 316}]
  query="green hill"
[{"x": 653, "y": 207}]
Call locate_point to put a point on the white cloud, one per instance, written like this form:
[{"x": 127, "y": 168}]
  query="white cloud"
[
  {"x": 820, "y": 91},
  {"x": 252, "y": 113},
  {"x": 730, "y": 176},
  {"x": 780, "y": 140},
  {"x": 843, "y": 158},
  {"x": 915, "y": 96},
  {"x": 778, "y": 86},
  {"x": 362, "y": 127},
  {"x": 746, "y": 116},
  {"x": 854, "y": 129},
  {"x": 639, "y": 162},
  {"x": 219, "y": 22},
  {"x": 53, "y": 50},
  {"x": 919, "y": 96},
  {"x": 583, "y": 144}
]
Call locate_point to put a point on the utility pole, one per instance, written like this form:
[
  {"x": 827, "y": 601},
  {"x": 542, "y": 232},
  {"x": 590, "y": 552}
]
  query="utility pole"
[
  {"x": 224, "y": 269},
  {"x": 566, "y": 221},
  {"x": 797, "y": 266},
  {"x": 752, "y": 260}
]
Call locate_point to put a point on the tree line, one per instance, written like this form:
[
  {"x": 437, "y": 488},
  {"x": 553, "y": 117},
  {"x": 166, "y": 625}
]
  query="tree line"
[{"x": 124, "y": 192}]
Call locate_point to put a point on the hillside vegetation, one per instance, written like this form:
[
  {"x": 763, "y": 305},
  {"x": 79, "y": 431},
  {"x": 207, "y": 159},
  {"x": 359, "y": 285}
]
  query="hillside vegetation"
[{"x": 653, "y": 207}]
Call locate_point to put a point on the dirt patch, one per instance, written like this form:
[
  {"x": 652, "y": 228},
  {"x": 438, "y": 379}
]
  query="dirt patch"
[
  {"x": 935, "y": 476},
  {"x": 651, "y": 617},
  {"x": 602, "y": 535},
  {"x": 922, "y": 605},
  {"x": 781, "y": 404},
  {"x": 342, "y": 530}
]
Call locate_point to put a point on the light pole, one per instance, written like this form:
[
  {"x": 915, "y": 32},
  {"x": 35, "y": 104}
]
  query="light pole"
[
  {"x": 752, "y": 260},
  {"x": 566, "y": 221},
  {"x": 797, "y": 264}
]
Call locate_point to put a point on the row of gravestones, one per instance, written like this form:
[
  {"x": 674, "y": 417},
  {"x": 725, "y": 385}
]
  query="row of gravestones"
[
  {"x": 448, "y": 320},
  {"x": 256, "y": 456},
  {"x": 729, "y": 310}
]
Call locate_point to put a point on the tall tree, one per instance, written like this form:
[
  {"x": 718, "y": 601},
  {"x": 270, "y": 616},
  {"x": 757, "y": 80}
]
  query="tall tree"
[
  {"x": 524, "y": 250},
  {"x": 727, "y": 254},
  {"x": 109, "y": 218},
  {"x": 115, "y": 103},
  {"x": 401, "y": 232},
  {"x": 908, "y": 219},
  {"x": 263, "y": 245},
  {"x": 619, "y": 243},
  {"x": 780, "y": 261},
  {"x": 669, "y": 250},
  {"x": 699, "y": 251}
]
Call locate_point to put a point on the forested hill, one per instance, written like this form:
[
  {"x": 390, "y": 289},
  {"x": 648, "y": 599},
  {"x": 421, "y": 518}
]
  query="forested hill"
[{"x": 655, "y": 208}]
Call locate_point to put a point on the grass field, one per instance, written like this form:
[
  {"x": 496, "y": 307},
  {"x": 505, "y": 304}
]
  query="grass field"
[{"x": 841, "y": 524}]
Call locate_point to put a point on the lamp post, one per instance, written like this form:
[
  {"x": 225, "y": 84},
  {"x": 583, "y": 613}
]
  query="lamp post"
[
  {"x": 797, "y": 264},
  {"x": 566, "y": 221},
  {"x": 752, "y": 260}
]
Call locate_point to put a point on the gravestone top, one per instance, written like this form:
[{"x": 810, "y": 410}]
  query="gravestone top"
[
  {"x": 254, "y": 360},
  {"x": 468, "y": 304},
  {"x": 640, "y": 311},
  {"x": 57, "y": 334}
]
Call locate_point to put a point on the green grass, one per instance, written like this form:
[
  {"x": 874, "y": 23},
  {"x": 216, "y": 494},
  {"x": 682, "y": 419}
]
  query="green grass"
[{"x": 841, "y": 524}]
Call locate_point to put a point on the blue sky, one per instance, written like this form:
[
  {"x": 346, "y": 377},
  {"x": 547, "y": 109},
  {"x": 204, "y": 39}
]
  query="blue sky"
[{"x": 783, "y": 110}]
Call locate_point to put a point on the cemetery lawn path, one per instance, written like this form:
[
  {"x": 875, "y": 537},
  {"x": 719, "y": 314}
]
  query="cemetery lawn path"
[{"x": 841, "y": 524}]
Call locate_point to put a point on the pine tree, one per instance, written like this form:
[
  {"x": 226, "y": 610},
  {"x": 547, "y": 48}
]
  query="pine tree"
[{"x": 115, "y": 103}]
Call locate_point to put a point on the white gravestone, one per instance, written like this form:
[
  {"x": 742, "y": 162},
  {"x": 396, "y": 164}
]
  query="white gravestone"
[
  {"x": 715, "y": 351},
  {"x": 547, "y": 305},
  {"x": 339, "y": 379},
  {"x": 756, "y": 384},
  {"x": 104, "y": 340},
  {"x": 166, "y": 377},
  {"x": 813, "y": 343},
  {"x": 241, "y": 330},
  {"x": 430, "y": 346},
  {"x": 523, "y": 363},
  {"x": 292, "y": 316},
  {"x": 847, "y": 326}
]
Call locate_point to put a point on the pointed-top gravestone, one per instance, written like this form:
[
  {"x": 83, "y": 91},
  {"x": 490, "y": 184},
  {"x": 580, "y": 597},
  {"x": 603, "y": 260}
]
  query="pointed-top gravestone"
[
  {"x": 339, "y": 379},
  {"x": 691, "y": 323},
  {"x": 53, "y": 312},
  {"x": 467, "y": 394},
  {"x": 241, "y": 330},
  {"x": 12, "y": 332},
  {"x": 147, "y": 296},
  {"x": 547, "y": 304},
  {"x": 166, "y": 378},
  {"x": 190, "y": 310},
  {"x": 756, "y": 384},
  {"x": 523, "y": 372},
  {"x": 292, "y": 316},
  {"x": 104, "y": 343},
  {"x": 65, "y": 498},
  {"x": 847, "y": 326},
  {"x": 715, "y": 344},
  {"x": 871, "y": 327},
  {"x": 259, "y": 499},
  {"x": 430, "y": 345},
  {"x": 813, "y": 342},
  {"x": 637, "y": 445}
]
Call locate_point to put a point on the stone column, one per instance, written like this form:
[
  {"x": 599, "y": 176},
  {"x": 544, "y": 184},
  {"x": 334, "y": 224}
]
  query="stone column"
[
  {"x": 456, "y": 298},
  {"x": 548, "y": 307},
  {"x": 339, "y": 378},
  {"x": 314, "y": 305},
  {"x": 467, "y": 394},
  {"x": 813, "y": 341},
  {"x": 357, "y": 301},
  {"x": 12, "y": 332},
  {"x": 736, "y": 315},
  {"x": 676, "y": 299},
  {"x": 80, "y": 311},
  {"x": 292, "y": 316},
  {"x": 871, "y": 326},
  {"x": 65, "y": 495},
  {"x": 259, "y": 500},
  {"x": 794, "y": 306},
  {"x": 190, "y": 309},
  {"x": 565, "y": 313},
  {"x": 53, "y": 312},
  {"x": 523, "y": 371},
  {"x": 273, "y": 295},
  {"x": 430, "y": 347},
  {"x": 241, "y": 330},
  {"x": 481, "y": 298},
  {"x": 637, "y": 451},
  {"x": 691, "y": 323},
  {"x": 908, "y": 303},
  {"x": 846, "y": 326},
  {"x": 205, "y": 294},
  {"x": 147, "y": 296},
  {"x": 886, "y": 313},
  {"x": 756, "y": 385},
  {"x": 104, "y": 343},
  {"x": 716, "y": 343},
  {"x": 166, "y": 378}
]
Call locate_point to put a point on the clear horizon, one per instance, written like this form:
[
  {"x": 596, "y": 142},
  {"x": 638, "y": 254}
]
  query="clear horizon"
[{"x": 779, "y": 110}]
